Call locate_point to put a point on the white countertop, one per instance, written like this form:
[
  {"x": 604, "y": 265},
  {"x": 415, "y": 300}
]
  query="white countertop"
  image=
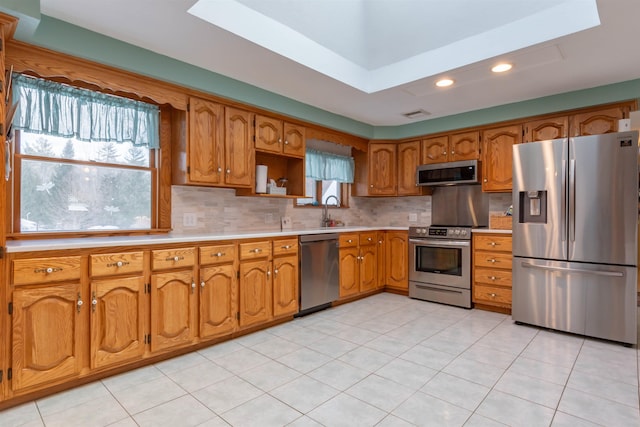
[
  {"x": 491, "y": 230},
  {"x": 98, "y": 242}
]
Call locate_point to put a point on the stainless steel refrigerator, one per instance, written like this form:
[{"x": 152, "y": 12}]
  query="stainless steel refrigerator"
[{"x": 575, "y": 236}]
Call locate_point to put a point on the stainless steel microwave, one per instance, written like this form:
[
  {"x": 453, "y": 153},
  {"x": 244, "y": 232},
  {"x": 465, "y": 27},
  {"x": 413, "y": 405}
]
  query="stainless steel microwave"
[{"x": 450, "y": 173}]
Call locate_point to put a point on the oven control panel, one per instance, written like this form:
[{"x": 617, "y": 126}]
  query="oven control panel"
[{"x": 459, "y": 233}]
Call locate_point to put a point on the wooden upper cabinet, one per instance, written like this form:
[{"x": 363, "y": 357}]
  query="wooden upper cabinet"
[
  {"x": 408, "y": 158},
  {"x": 544, "y": 129},
  {"x": 239, "y": 156},
  {"x": 464, "y": 146},
  {"x": 382, "y": 169},
  {"x": 497, "y": 153},
  {"x": 206, "y": 141},
  {"x": 276, "y": 136},
  {"x": 294, "y": 140},
  {"x": 435, "y": 150},
  {"x": 598, "y": 122}
]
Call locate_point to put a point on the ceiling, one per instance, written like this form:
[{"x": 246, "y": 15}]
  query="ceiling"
[{"x": 375, "y": 60}]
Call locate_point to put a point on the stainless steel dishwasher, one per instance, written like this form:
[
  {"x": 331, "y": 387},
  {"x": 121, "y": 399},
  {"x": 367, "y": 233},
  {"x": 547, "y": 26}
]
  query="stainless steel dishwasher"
[{"x": 319, "y": 272}]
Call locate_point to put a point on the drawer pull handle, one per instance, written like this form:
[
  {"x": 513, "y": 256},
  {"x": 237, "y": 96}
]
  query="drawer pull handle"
[
  {"x": 369, "y": 239},
  {"x": 492, "y": 260},
  {"x": 492, "y": 295},
  {"x": 285, "y": 247},
  {"x": 47, "y": 270},
  {"x": 219, "y": 254},
  {"x": 175, "y": 258},
  {"x": 349, "y": 241},
  {"x": 256, "y": 250},
  {"x": 492, "y": 277},
  {"x": 118, "y": 264},
  {"x": 79, "y": 302},
  {"x": 492, "y": 243}
]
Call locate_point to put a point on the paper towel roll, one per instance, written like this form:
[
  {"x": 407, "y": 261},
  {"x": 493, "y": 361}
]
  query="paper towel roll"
[{"x": 261, "y": 178}]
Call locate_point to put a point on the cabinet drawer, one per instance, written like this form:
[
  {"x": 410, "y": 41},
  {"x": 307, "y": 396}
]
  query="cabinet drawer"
[
  {"x": 368, "y": 238},
  {"x": 218, "y": 254},
  {"x": 348, "y": 240},
  {"x": 492, "y": 259},
  {"x": 118, "y": 263},
  {"x": 254, "y": 250},
  {"x": 492, "y": 242},
  {"x": 491, "y": 294},
  {"x": 285, "y": 247},
  {"x": 492, "y": 277},
  {"x": 173, "y": 258},
  {"x": 45, "y": 270}
]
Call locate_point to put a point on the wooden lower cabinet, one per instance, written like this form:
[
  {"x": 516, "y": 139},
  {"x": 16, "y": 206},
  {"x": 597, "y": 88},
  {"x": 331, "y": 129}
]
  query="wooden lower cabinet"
[
  {"x": 173, "y": 309},
  {"x": 397, "y": 260},
  {"x": 118, "y": 320},
  {"x": 46, "y": 334},
  {"x": 368, "y": 266},
  {"x": 349, "y": 271},
  {"x": 255, "y": 292},
  {"x": 358, "y": 263},
  {"x": 285, "y": 285},
  {"x": 218, "y": 300},
  {"x": 492, "y": 260}
]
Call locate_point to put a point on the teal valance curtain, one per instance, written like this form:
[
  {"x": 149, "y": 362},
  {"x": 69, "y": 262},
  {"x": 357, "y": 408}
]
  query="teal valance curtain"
[
  {"x": 61, "y": 110},
  {"x": 323, "y": 166}
]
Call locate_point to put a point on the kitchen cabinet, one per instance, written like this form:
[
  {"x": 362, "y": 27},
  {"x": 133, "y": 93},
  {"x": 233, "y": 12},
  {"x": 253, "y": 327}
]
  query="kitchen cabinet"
[
  {"x": 397, "y": 260},
  {"x": 173, "y": 298},
  {"x": 464, "y": 146},
  {"x": 492, "y": 271},
  {"x": 381, "y": 260},
  {"x": 548, "y": 128},
  {"x": 358, "y": 255},
  {"x": 598, "y": 121},
  {"x": 275, "y": 136},
  {"x": 435, "y": 150},
  {"x": 218, "y": 147},
  {"x": 408, "y": 161},
  {"x": 497, "y": 156},
  {"x": 285, "y": 277},
  {"x": 218, "y": 299},
  {"x": 255, "y": 283},
  {"x": 119, "y": 308},
  {"x": 382, "y": 169},
  {"x": 47, "y": 321}
]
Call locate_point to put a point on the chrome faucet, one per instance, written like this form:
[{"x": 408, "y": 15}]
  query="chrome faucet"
[{"x": 325, "y": 210}]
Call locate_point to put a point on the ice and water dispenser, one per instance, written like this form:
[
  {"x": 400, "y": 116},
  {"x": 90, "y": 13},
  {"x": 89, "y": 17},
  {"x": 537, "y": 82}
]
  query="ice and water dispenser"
[{"x": 532, "y": 207}]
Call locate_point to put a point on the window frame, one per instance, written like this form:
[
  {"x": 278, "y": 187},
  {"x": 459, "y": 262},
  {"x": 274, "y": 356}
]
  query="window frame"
[{"x": 344, "y": 197}]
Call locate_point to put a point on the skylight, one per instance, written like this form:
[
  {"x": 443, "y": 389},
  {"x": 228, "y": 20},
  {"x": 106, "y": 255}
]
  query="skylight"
[{"x": 373, "y": 45}]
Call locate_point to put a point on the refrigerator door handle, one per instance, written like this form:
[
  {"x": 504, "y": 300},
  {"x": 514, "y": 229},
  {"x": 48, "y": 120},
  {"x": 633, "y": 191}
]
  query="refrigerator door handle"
[
  {"x": 572, "y": 200},
  {"x": 574, "y": 270},
  {"x": 563, "y": 204}
]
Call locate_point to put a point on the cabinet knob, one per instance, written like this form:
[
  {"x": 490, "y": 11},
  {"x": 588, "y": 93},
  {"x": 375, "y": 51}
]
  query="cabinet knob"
[
  {"x": 268, "y": 273},
  {"x": 219, "y": 254},
  {"x": 280, "y": 140},
  {"x": 94, "y": 303},
  {"x": 444, "y": 153},
  {"x": 453, "y": 152},
  {"x": 286, "y": 247},
  {"x": 379, "y": 242},
  {"x": 228, "y": 171},
  {"x": 485, "y": 180},
  {"x": 119, "y": 264},
  {"x": 193, "y": 286},
  {"x": 492, "y": 295},
  {"x": 176, "y": 258},
  {"x": 219, "y": 170},
  {"x": 202, "y": 284},
  {"x": 371, "y": 185},
  {"x": 492, "y": 243},
  {"x": 275, "y": 271},
  {"x": 369, "y": 239},
  {"x": 492, "y": 277},
  {"x": 349, "y": 241},
  {"x": 79, "y": 302},
  {"x": 492, "y": 260},
  {"x": 286, "y": 142},
  {"x": 256, "y": 250},
  {"x": 49, "y": 270}
]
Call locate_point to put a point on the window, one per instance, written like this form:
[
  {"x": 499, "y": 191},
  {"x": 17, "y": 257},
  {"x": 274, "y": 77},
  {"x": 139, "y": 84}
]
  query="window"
[
  {"x": 84, "y": 160},
  {"x": 327, "y": 176}
]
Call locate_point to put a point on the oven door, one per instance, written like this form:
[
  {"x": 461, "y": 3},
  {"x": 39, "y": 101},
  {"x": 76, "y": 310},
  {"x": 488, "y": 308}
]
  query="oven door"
[{"x": 442, "y": 262}]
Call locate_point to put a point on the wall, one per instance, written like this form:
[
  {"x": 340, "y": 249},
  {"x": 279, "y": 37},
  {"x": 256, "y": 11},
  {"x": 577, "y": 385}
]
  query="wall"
[{"x": 218, "y": 210}]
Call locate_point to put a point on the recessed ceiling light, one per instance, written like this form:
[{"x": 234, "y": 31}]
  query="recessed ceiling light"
[
  {"x": 501, "y": 68},
  {"x": 444, "y": 82}
]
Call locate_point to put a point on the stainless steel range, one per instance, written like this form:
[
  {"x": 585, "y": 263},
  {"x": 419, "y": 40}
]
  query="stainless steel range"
[{"x": 440, "y": 264}]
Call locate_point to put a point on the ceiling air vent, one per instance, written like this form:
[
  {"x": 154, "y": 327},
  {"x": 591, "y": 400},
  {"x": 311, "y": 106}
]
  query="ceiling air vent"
[{"x": 418, "y": 114}]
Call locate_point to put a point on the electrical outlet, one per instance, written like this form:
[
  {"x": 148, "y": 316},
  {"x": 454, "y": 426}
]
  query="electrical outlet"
[
  {"x": 268, "y": 218},
  {"x": 189, "y": 219},
  {"x": 285, "y": 222},
  {"x": 413, "y": 217}
]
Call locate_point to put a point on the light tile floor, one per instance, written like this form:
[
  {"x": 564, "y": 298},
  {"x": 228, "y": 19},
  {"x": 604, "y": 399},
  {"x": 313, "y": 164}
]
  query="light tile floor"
[{"x": 385, "y": 360}]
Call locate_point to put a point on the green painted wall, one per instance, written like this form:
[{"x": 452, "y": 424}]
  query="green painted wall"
[{"x": 57, "y": 35}]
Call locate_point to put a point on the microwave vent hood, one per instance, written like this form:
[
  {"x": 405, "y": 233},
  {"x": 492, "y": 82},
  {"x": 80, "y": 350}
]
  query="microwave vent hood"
[{"x": 449, "y": 173}]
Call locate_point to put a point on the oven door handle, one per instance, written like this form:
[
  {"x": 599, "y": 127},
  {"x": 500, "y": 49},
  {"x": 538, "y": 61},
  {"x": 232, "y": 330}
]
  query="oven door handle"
[{"x": 441, "y": 243}]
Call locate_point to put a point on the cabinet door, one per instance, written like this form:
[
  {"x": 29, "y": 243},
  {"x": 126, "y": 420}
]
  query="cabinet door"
[
  {"x": 368, "y": 267},
  {"x": 542, "y": 130},
  {"x": 497, "y": 154},
  {"x": 464, "y": 146},
  {"x": 285, "y": 285},
  {"x": 46, "y": 334},
  {"x": 382, "y": 169},
  {"x": 172, "y": 309},
  {"x": 435, "y": 150},
  {"x": 206, "y": 141},
  {"x": 268, "y": 134},
  {"x": 598, "y": 122},
  {"x": 349, "y": 272},
  {"x": 118, "y": 320},
  {"x": 397, "y": 263},
  {"x": 294, "y": 140},
  {"x": 255, "y": 292},
  {"x": 239, "y": 156},
  {"x": 380, "y": 261},
  {"x": 218, "y": 300},
  {"x": 408, "y": 158}
]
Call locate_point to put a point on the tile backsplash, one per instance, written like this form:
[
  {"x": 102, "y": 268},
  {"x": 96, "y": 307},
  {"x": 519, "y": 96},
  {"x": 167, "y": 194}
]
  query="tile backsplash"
[{"x": 219, "y": 210}]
